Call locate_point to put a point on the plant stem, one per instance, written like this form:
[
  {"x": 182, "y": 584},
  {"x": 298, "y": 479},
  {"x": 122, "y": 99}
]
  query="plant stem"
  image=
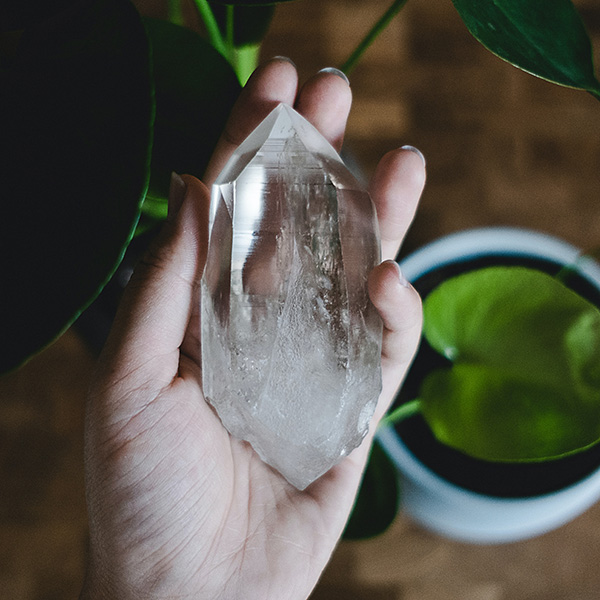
[
  {"x": 245, "y": 61},
  {"x": 408, "y": 409},
  {"x": 212, "y": 27},
  {"x": 229, "y": 26},
  {"x": 175, "y": 14},
  {"x": 383, "y": 22}
]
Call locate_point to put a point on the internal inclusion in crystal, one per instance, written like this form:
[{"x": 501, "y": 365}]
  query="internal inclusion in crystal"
[{"x": 291, "y": 344}]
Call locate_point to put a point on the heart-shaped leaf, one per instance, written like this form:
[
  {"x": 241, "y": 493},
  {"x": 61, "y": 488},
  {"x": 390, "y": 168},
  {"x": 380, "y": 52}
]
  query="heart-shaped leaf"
[
  {"x": 75, "y": 134},
  {"x": 195, "y": 91},
  {"x": 546, "y": 38},
  {"x": 497, "y": 415},
  {"x": 525, "y": 380},
  {"x": 377, "y": 501}
]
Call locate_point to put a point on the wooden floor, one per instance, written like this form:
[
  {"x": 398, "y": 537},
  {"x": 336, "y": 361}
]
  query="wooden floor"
[{"x": 502, "y": 148}]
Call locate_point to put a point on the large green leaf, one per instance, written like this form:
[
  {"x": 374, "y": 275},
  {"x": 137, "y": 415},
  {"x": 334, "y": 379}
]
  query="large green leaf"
[
  {"x": 377, "y": 501},
  {"x": 546, "y": 38},
  {"x": 195, "y": 91},
  {"x": 525, "y": 380},
  {"x": 493, "y": 414},
  {"x": 75, "y": 129}
]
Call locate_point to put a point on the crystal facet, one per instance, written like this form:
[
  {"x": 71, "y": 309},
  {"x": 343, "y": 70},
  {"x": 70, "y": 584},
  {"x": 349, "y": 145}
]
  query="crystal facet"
[{"x": 291, "y": 344}]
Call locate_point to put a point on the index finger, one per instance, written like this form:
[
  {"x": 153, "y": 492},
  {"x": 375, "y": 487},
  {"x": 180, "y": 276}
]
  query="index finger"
[{"x": 273, "y": 82}]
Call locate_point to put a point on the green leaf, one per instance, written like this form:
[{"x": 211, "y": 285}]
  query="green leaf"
[
  {"x": 583, "y": 344},
  {"x": 525, "y": 380},
  {"x": 545, "y": 38},
  {"x": 155, "y": 208},
  {"x": 496, "y": 415},
  {"x": 75, "y": 133},
  {"x": 195, "y": 91},
  {"x": 377, "y": 501}
]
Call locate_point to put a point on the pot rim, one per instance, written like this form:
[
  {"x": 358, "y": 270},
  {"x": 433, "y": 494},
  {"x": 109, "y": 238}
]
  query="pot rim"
[{"x": 511, "y": 241}]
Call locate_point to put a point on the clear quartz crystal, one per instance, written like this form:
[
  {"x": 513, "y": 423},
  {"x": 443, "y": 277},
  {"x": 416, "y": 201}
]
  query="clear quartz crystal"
[{"x": 291, "y": 344}]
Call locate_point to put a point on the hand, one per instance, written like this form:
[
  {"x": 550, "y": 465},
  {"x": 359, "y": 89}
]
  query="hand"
[{"x": 177, "y": 507}]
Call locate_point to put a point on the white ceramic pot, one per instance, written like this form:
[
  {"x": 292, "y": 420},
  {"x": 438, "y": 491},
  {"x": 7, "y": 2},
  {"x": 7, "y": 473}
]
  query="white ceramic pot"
[{"x": 435, "y": 502}]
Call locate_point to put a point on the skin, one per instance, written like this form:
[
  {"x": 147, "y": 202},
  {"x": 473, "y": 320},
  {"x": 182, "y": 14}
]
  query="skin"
[{"x": 177, "y": 507}]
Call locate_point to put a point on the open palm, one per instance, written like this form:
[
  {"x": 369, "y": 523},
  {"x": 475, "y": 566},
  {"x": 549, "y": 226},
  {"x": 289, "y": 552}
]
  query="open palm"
[{"x": 178, "y": 508}]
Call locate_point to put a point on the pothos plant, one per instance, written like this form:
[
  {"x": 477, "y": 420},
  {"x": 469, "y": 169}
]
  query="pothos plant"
[
  {"x": 521, "y": 379},
  {"x": 99, "y": 105}
]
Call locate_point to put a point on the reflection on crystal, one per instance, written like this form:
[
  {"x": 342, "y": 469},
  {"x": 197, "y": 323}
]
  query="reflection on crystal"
[{"x": 290, "y": 342}]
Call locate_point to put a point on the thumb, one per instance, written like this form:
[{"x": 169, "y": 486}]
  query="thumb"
[{"x": 152, "y": 319}]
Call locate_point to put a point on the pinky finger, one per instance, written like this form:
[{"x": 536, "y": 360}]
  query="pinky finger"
[{"x": 399, "y": 306}]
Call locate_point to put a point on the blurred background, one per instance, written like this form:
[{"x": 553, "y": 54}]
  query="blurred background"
[{"x": 502, "y": 148}]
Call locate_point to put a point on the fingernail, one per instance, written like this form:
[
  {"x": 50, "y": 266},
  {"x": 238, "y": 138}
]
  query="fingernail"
[
  {"x": 403, "y": 281},
  {"x": 416, "y": 151},
  {"x": 177, "y": 190},
  {"x": 334, "y": 71},
  {"x": 286, "y": 59}
]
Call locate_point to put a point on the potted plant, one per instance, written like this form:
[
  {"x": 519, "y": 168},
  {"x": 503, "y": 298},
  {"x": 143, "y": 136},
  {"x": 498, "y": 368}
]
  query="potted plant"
[
  {"x": 495, "y": 430},
  {"x": 100, "y": 105}
]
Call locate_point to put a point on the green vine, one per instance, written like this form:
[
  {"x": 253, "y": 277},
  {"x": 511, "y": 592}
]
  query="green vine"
[
  {"x": 212, "y": 27},
  {"x": 404, "y": 411},
  {"x": 375, "y": 31}
]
